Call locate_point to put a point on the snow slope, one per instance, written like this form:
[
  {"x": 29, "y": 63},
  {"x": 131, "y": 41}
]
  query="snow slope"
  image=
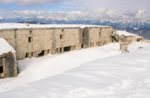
[
  {"x": 5, "y": 47},
  {"x": 121, "y": 76},
  {"x": 39, "y": 68}
]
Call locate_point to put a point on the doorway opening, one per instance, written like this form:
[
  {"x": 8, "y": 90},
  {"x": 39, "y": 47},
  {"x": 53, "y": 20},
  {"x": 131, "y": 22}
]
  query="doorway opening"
[
  {"x": 41, "y": 54},
  {"x": 66, "y": 49}
]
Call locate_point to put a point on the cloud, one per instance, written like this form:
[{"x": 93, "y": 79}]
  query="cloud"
[
  {"x": 137, "y": 15},
  {"x": 97, "y": 14},
  {"x": 31, "y": 2},
  {"x": 131, "y": 13}
]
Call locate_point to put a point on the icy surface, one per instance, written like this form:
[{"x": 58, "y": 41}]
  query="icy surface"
[
  {"x": 125, "y": 33},
  {"x": 5, "y": 47},
  {"x": 21, "y": 25},
  {"x": 111, "y": 75}
]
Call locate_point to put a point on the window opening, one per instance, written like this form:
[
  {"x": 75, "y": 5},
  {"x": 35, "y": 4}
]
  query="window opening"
[
  {"x": 66, "y": 49},
  {"x": 41, "y": 54},
  {"x": 1, "y": 69},
  {"x": 26, "y": 55},
  {"x": 30, "y": 39},
  {"x": 83, "y": 34},
  {"x": 60, "y": 36}
]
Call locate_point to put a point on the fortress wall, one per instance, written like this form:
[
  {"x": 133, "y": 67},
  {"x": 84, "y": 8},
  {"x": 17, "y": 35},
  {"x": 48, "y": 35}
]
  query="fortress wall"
[
  {"x": 130, "y": 39},
  {"x": 30, "y": 42},
  {"x": 113, "y": 31},
  {"x": 85, "y": 38},
  {"x": 96, "y": 36},
  {"x": 8, "y": 67},
  {"x": 8, "y": 35},
  {"x": 34, "y": 42},
  {"x": 68, "y": 37},
  {"x": 100, "y": 36}
]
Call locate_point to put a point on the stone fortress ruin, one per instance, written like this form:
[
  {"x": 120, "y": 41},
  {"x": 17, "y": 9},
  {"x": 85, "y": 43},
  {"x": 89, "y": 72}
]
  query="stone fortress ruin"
[{"x": 31, "y": 41}]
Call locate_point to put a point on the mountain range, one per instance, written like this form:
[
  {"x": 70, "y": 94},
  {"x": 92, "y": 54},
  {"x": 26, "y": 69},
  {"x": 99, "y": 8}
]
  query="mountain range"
[{"x": 118, "y": 24}]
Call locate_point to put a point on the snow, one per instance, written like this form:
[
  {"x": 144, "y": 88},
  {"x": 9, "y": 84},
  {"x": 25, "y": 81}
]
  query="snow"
[
  {"x": 22, "y": 25},
  {"x": 125, "y": 33},
  {"x": 58, "y": 82},
  {"x": 139, "y": 36},
  {"x": 5, "y": 47},
  {"x": 110, "y": 76}
]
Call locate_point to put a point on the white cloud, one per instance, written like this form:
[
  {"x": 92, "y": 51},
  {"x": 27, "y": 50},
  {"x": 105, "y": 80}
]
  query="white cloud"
[
  {"x": 137, "y": 15},
  {"x": 101, "y": 13},
  {"x": 97, "y": 14}
]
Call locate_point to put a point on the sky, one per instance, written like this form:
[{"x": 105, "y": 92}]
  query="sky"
[{"x": 77, "y": 9}]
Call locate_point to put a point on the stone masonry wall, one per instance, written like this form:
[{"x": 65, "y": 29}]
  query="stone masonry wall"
[{"x": 8, "y": 66}]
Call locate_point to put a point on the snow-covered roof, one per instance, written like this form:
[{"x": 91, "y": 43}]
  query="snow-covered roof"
[
  {"x": 5, "y": 47},
  {"x": 139, "y": 37},
  {"x": 125, "y": 33},
  {"x": 23, "y": 25}
]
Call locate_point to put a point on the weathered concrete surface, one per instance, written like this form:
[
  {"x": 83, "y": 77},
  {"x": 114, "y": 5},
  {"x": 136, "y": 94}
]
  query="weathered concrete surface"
[
  {"x": 8, "y": 65},
  {"x": 30, "y": 42},
  {"x": 97, "y": 36}
]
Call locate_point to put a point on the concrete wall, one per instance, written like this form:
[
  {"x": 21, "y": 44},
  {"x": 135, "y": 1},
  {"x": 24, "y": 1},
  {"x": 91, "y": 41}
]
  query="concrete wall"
[
  {"x": 32, "y": 41},
  {"x": 8, "y": 66},
  {"x": 97, "y": 36}
]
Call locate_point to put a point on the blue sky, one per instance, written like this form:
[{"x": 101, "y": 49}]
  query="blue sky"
[{"x": 77, "y": 9}]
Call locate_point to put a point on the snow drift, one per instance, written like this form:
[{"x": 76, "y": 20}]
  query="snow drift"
[
  {"x": 5, "y": 47},
  {"x": 122, "y": 76}
]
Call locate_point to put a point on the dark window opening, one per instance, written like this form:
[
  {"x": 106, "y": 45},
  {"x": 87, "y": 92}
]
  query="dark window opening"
[
  {"x": 83, "y": 34},
  {"x": 31, "y": 53},
  {"x": 26, "y": 55},
  {"x": 47, "y": 51},
  {"x": 60, "y": 36},
  {"x": 138, "y": 40},
  {"x": 30, "y": 32},
  {"x": 41, "y": 54},
  {"x": 100, "y": 29},
  {"x": 1, "y": 69},
  {"x": 30, "y": 39},
  {"x": 62, "y": 30},
  {"x": 82, "y": 46},
  {"x": 66, "y": 49}
]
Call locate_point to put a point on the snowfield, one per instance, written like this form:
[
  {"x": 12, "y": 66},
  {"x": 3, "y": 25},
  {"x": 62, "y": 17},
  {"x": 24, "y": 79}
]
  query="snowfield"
[
  {"x": 99, "y": 72},
  {"x": 5, "y": 47}
]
